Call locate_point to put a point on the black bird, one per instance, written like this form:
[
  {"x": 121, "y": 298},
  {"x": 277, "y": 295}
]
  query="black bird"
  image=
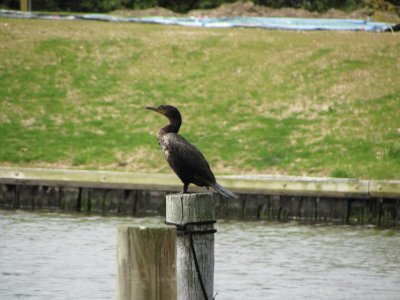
[{"x": 184, "y": 158}]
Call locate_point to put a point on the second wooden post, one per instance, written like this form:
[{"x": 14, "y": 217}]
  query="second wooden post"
[
  {"x": 146, "y": 263},
  {"x": 193, "y": 282}
]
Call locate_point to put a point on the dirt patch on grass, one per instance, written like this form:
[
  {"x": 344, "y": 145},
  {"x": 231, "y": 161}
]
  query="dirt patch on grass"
[
  {"x": 137, "y": 160},
  {"x": 250, "y": 9}
]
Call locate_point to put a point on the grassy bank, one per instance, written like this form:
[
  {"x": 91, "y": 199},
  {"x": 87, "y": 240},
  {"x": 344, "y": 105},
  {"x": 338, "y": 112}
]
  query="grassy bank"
[{"x": 254, "y": 101}]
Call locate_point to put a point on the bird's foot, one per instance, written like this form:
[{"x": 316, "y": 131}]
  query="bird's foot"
[
  {"x": 185, "y": 188},
  {"x": 185, "y": 192}
]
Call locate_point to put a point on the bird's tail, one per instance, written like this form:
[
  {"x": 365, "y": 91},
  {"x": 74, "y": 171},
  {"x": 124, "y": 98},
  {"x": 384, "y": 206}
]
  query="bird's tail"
[{"x": 223, "y": 191}]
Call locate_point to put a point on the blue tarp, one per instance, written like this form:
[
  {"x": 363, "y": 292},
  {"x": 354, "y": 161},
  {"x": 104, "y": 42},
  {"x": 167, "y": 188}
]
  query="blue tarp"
[
  {"x": 276, "y": 23},
  {"x": 259, "y": 22}
]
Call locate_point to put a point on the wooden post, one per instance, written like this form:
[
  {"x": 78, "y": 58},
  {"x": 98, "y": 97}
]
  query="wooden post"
[
  {"x": 185, "y": 208},
  {"x": 24, "y": 5},
  {"x": 146, "y": 263}
]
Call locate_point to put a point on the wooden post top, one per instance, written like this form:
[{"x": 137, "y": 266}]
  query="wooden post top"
[{"x": 184, "y": 208}]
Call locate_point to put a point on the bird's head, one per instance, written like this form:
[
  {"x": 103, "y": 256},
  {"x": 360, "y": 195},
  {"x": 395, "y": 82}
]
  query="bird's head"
[{"x": 169, "y": 111}]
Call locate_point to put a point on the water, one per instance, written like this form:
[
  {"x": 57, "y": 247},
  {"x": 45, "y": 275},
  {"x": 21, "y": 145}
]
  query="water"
[{"x": 67, "y": 256}]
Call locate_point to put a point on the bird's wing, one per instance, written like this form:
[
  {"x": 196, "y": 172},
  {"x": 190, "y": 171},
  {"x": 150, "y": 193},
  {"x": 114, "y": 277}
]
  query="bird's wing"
[{"x": 186, "y": 159}]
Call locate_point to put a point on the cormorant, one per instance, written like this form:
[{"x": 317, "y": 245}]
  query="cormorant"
[{"x": 183, "y": 157}]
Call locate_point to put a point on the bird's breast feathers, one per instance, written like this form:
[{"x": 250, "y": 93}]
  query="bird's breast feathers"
[
  {"x": 176, "y": 145},
  {"x": 164, "y": 143}
]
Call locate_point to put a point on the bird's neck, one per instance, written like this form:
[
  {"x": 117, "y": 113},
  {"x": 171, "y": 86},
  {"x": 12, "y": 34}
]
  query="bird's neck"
[{"x": 173, "y": 126}]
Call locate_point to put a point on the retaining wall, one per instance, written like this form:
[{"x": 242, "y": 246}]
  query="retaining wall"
[{"x": 261, "y": 197}]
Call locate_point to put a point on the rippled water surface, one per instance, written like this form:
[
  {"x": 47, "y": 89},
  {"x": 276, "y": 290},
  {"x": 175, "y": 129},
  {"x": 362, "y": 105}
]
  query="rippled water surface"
[{"x": 66, "y": 256}]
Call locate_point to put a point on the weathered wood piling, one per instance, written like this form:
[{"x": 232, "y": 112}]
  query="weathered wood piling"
[
  {"x": 193, "y": 214},
  {"x": 146, "y": 263},
  {"x": 170, "y": 263}
]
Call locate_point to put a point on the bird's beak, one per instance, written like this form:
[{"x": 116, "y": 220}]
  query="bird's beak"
[{"x": 156, "y": 109}]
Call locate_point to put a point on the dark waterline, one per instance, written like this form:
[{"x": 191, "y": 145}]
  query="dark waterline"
[{"x": 68, "y": 256}]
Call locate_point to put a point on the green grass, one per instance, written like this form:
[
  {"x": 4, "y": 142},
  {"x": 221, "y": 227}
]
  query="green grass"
[{"x": 254, "y": 101}]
